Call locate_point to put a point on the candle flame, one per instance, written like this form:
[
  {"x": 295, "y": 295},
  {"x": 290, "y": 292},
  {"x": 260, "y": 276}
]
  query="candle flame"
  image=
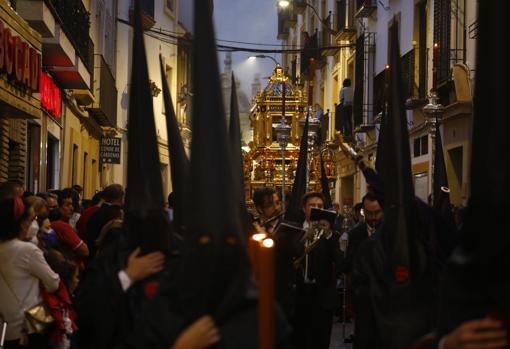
[
  {"x": 436, "y": 45},
  {"x": 259, "y": 237},
  {"x": 268, "y": 243}
]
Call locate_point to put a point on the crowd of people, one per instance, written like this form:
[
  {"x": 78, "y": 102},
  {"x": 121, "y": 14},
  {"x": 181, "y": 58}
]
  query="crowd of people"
[
  {"x": 51, "y": 247},
  {"x": 112, "y": 274}
]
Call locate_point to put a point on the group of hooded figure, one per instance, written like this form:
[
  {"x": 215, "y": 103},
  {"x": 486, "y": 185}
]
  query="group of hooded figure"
[{"x": 413, "y": 282}]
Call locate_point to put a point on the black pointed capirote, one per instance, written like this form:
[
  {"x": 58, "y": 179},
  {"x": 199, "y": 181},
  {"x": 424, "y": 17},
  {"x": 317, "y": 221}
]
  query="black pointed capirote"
[
  {"x": 211, "y": 174},
  {"x": 235, "y": 139},
  {"x": 179, "y": 163},
  {"x": 237, "y": 158},
  {"x": 399, "y": 200},
  {"x": 489, "y": 199},
  {"x": 294, "y": 211},
  {"x": 218, "y": 263},
  {"x": 144, "y": 192}
]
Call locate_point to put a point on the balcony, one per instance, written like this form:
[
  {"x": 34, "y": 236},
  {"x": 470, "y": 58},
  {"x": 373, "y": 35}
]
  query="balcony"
[
  {"x": 104, "y": 108},
  {"x": 283, "y": 30},
  {"x": 325, "y": 39},
  {"x": 75, "y": 21},
  {"x": 64, "y": 28},
  {"x": 414, "y": 77},
  {"x": 345, "y": 20},
  {"x": 365, "y": 8},
  {"x": 290, "y": 20},
  {"x": 309, "y": 51}
]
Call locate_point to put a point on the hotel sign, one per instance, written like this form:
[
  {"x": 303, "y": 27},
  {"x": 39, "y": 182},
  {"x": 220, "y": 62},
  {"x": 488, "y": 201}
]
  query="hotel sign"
[{"x": 109, "y": 152}]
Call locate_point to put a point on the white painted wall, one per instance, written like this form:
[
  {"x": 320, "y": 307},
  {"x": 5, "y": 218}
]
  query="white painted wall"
[{"x": 166, "y": 21}]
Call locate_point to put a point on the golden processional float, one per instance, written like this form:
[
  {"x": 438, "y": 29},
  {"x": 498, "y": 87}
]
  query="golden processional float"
[{"x": 277, "y": 119}]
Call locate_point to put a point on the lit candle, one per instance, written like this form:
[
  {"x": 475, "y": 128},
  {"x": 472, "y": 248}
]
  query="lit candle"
[
  {"x": 266, "y": 295},
  {"x": 253, "y": 247}
]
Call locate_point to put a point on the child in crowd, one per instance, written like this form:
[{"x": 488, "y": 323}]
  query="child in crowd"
[{"x": 60, "y": 303}]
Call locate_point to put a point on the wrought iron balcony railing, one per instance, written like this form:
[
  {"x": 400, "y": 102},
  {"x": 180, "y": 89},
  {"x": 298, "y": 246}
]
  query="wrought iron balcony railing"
[{"x": 75, "y": 21}]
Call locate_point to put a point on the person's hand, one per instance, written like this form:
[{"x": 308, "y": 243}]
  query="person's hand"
[
  {"x": 139, "y": 268},
  {"x": 477, "y": 334},
  {"x": 201, "y": 334}
]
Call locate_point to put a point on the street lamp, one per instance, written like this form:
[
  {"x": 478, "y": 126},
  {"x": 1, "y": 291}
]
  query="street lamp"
[
  {"x": 434, "y": 113},
  {"x": 283, "y": 3},
  {"x": 265, "y": 56}
]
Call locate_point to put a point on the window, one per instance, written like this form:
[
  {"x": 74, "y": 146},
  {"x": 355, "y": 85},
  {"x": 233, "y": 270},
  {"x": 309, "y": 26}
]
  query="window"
[
  {"x": 74, "y": 164},
  {"x": 33, "y": 156},
  {"x": 421, "y": 146},
  {"x": 84, "y": 182},
  {"x": 52, "y": 163}
]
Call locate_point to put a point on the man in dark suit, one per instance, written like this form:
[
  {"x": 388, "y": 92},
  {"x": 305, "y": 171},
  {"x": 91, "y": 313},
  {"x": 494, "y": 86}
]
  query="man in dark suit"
[
  {"x": 374, "y": 215},
  {"x": 316, "y": 294}
]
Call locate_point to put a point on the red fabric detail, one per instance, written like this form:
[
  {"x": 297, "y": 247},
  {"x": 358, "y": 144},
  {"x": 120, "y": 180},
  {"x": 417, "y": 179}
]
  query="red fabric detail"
[
  {"x": 151, "y": 288},
  {"x": 69, "y": 239},
  {"x": 81, "y": 225},
  {"x": 18, "y": 208},
  {"x": 56, "y": 303},
  {"x": 401, "y": 274}
]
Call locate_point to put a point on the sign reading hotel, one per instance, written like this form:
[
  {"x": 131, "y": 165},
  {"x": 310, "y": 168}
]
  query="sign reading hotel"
[
  {"x": 19, "y": 60},
  {"x": 109, "y": 151}
]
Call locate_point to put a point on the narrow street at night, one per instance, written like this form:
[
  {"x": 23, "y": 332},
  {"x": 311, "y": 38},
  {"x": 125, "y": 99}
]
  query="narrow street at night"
[{"x": 254, "y": 174}]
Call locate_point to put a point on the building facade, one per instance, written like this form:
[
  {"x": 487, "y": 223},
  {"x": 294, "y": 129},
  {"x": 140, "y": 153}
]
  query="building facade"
[
  {"x": 161, "y": 24},
  {"x": 72, "y": 94},
  {"x": 349, "y": 39}
]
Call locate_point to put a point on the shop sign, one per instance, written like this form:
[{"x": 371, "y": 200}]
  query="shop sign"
[
  {"x": 21, "y": 62},
  {"x": 51, "y": 100},
  {"x": 109, "y": 152}
]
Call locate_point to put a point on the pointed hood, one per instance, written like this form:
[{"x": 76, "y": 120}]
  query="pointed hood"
[
  {"x": 179, "y": 163},
  {"x": 294, "y": 211},
  {"x": 213, "y": 224},
  {"x": 237, "y": 158},
  {"x": 400, "y": 206},
  {"x": 144, "y": 192},
  {"x": 235, "y": 140},
  {"x": 211, "y": 174},
  {"x": 485, "y": 231},
  {"x": 325, "y": 186}
]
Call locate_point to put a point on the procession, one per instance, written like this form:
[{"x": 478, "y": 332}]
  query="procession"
[{"x": 287, "y": 225}]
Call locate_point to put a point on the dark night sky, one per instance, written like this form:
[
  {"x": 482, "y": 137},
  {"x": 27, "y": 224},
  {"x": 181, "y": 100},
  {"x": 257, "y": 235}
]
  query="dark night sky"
[{"x": 249, "y": 21}]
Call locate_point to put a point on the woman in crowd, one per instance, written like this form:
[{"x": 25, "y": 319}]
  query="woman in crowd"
[{"x": 23, "y": 270}]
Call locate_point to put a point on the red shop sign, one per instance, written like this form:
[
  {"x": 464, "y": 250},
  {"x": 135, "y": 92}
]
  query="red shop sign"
[
  {"x": 50, "y": 96},
  {"x": 21, "y": 62}
]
